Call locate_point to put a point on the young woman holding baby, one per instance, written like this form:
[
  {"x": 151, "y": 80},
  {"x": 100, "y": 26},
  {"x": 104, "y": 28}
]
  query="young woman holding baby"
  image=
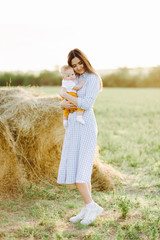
[{"x": 80, "y": 139}]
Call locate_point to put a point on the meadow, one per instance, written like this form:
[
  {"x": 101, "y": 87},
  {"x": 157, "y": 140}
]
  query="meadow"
[{"x": 129, "y": 139}]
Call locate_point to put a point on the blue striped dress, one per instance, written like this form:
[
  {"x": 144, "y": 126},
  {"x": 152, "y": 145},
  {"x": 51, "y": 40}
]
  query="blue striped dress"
[{"x": 80, "y": 140}]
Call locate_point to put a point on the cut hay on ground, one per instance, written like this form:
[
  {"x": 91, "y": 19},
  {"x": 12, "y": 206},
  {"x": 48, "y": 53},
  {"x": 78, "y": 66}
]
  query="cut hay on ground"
[{"x": 31, "y": 138}]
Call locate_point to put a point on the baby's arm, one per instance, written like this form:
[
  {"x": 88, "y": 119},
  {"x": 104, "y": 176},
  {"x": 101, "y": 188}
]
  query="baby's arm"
[{"x": 79, "y": 86}]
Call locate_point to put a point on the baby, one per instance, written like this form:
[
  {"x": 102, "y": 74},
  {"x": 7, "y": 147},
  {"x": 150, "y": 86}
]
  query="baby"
[{"x": 68, "y": 82}]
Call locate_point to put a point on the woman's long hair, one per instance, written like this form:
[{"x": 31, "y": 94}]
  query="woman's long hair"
[{"x": 87, "y": 66}]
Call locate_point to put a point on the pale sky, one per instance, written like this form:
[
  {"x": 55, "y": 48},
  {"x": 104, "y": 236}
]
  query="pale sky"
[{"x": 38, "y": 34}]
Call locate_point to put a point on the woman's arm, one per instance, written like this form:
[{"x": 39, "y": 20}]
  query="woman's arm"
[
  {"x": 68, "y": 97},
  {"x": 92, "y": 89},
  {"x": 65, "y": 104}
]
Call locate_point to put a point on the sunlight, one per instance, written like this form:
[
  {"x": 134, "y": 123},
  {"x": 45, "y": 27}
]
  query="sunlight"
[{"x": 39, "y": 34}]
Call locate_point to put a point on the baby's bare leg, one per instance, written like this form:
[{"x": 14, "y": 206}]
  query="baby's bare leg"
[{"x": 65, "y": 118}]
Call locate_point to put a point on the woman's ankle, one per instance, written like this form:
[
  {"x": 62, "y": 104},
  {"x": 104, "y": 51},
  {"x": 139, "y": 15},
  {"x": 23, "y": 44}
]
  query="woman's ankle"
[{"x": 91, "y": 204}]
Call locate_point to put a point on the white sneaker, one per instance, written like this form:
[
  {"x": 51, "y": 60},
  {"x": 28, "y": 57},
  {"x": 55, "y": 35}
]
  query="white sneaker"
[
  {"x": 79, "y": 217},
  {"x": 80, "y": 119},
  {"x": 91, "y": 214}
]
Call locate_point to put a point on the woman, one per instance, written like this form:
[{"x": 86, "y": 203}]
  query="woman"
[{"x": 80, "y": 140}]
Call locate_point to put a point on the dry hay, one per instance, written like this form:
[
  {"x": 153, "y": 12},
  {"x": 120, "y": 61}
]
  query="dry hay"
[{"x": 31, "y": 138}]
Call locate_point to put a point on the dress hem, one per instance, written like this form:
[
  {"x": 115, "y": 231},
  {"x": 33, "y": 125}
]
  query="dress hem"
[{"x": 73, "y": 182}]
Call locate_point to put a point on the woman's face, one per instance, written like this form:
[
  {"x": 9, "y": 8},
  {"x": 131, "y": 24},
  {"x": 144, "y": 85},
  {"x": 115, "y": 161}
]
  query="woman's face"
[{"x": 77, "y": 66}]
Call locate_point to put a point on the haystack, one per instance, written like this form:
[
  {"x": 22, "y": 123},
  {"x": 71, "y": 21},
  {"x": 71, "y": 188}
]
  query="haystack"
[{"x": 31, "y": 138}]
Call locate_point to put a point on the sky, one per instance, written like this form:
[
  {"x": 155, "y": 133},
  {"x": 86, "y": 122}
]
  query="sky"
[{"x": 38, "y": 34}]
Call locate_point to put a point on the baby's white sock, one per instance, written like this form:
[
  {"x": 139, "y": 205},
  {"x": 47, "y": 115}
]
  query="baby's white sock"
[
  {"x": 91, "y": 205},
  {"x": 65, "y": 123},
  {"x": 80, "y": 119}
]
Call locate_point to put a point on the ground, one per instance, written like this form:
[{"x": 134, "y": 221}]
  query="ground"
[{"x": 128, "y": 138}]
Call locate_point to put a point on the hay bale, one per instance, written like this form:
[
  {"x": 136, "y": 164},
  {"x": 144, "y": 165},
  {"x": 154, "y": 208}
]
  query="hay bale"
[
  {"x": 10, "y": 169},
  {"x": 31, "y": 138},
  {"x": 104, "y": 176}
]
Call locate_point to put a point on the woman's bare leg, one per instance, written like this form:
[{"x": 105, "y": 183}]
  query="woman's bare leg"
[
  {"x": 90, "y": 187},
  {"x": 92, "y": 211},
  {"x": 85, "y": 191}
]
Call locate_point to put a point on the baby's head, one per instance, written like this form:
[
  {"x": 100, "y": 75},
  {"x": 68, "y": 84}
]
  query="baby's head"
[{"x": 67, "y": 72}]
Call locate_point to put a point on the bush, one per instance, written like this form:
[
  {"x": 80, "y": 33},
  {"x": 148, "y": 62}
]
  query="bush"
[
  {"x": 120, "y": 78},
  {"x": 45, "y": 78},
  {"x": 123, "y": 78}
]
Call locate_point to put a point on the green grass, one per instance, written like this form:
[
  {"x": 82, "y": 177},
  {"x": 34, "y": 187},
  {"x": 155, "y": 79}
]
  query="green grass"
[{"x": 129, "y": 130}]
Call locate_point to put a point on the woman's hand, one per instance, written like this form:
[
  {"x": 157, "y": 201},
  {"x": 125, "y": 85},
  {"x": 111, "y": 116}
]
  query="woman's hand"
[
  {"x": 63, "y": 92},
  {"x": 65, "y": 104},
  {"x": 72, "y": 101}
]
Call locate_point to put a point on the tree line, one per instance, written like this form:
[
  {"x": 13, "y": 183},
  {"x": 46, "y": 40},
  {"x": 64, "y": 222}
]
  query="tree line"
[{"x": 122, "y": 77}]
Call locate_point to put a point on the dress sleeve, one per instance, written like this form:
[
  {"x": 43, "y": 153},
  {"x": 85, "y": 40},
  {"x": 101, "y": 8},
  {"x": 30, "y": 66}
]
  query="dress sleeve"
[{"x": 92, "y": 89}]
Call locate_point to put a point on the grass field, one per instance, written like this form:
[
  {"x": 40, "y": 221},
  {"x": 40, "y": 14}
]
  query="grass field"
[{"x": 129, "y": 139}]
